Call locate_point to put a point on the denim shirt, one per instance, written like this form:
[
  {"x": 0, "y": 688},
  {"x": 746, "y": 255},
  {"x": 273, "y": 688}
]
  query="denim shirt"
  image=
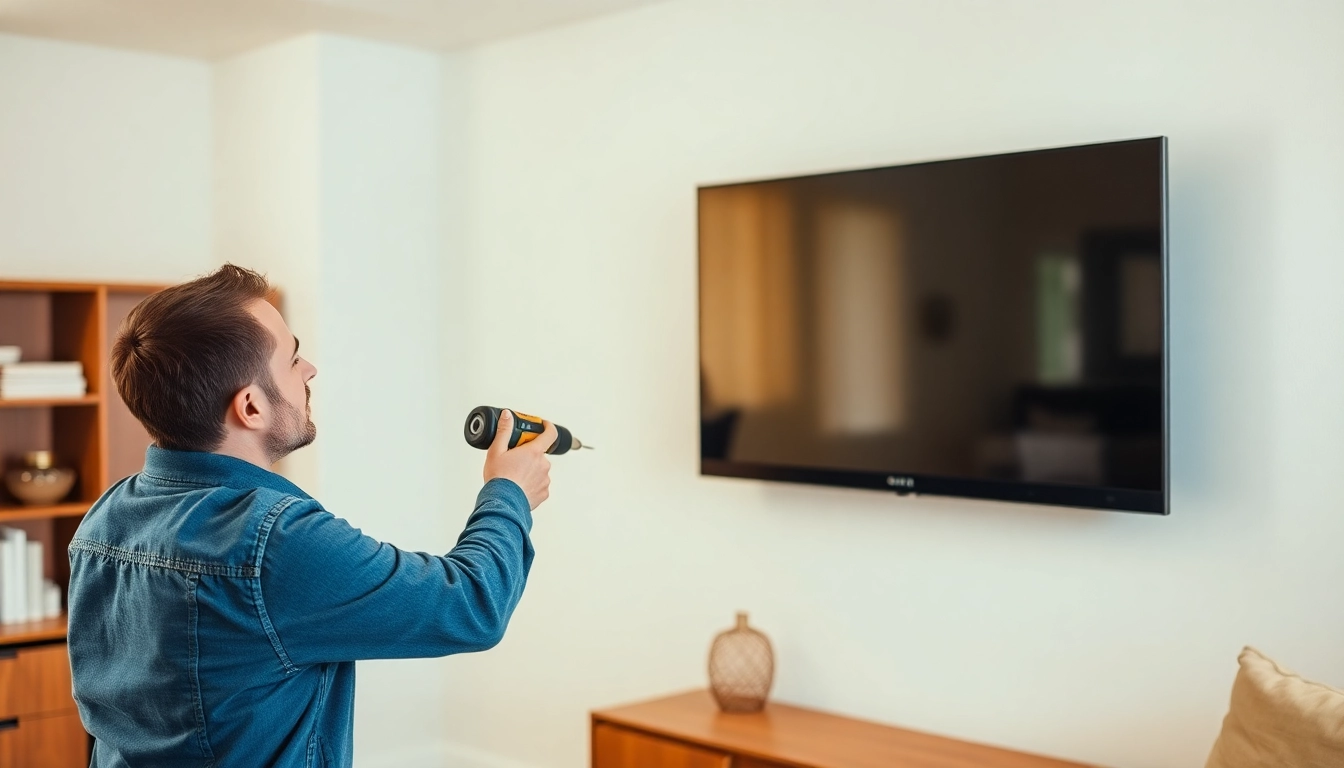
[{"x": 216, "y": 612}]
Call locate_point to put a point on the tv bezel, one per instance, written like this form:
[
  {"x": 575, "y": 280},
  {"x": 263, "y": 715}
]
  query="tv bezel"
[{"x": 1008, "y": 491}]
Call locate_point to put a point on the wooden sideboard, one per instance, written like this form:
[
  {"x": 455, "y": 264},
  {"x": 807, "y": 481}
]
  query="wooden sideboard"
[
  {"x": 688, "y": 731},
  {"x": 39, "y": 725}
]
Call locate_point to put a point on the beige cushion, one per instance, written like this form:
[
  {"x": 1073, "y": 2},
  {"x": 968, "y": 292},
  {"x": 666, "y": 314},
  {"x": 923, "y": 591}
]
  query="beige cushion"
[{"x": 1279, "y": 719}]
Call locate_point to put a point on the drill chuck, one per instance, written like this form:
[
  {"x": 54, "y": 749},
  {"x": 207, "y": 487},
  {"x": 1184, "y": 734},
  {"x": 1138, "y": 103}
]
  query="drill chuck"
[{"x": 483, "y": 422}]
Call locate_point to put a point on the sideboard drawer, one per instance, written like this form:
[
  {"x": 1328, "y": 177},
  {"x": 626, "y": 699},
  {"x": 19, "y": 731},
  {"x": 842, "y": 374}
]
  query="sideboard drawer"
[
  {"x": 34, "y": 680},
  {"x": 751, "y": 762},
  {"x": 48, "y": 741},
  {"x": 615, "y": 747}
]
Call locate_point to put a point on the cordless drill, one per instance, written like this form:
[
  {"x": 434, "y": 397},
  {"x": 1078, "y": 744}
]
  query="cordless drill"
[{"x": 483, "y": 422}]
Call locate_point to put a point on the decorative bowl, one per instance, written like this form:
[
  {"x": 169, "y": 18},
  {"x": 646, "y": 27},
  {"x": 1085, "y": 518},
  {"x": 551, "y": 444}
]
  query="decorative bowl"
[{"x": 39, "y": 481}]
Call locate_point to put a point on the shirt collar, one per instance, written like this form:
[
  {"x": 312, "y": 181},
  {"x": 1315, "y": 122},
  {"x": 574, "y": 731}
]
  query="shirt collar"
[{"x": 214, "y": 469}]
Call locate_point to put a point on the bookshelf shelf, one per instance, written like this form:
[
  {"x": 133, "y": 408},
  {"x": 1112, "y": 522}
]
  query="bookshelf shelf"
[
  {"x": 33, "y": 631},
  {"x": 50, "y": 402},
  {"x": 14, "y": 513}
]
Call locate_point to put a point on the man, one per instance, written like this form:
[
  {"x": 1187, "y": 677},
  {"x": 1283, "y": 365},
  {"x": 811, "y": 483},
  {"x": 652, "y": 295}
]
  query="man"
[{"x": 216, "y": 609}]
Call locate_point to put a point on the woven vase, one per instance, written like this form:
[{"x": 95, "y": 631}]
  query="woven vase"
[{"x": 741, "y": 668}]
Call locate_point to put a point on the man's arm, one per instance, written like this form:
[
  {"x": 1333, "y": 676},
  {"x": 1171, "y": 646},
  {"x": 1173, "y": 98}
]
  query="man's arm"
[{"x": 333, "y": 594}]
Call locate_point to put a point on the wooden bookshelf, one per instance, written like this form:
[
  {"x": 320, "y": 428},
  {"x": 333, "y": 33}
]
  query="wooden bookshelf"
[{"x": 97, "y": 436}]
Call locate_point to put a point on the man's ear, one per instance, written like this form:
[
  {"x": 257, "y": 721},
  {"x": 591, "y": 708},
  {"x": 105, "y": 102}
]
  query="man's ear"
[{"x": 247, "y": 408}]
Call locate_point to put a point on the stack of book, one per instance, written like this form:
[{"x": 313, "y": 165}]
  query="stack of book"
[
  {"x": 20, "y": 381},
  {"x": 24, "y": 594}
]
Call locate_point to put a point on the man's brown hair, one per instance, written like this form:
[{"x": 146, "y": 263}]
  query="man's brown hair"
[{"x": 184, "y": 352}]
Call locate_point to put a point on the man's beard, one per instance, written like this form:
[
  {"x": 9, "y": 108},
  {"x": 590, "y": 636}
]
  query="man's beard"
[{"x": 293, "y": 430}]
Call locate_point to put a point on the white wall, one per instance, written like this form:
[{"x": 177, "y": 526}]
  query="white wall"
[
  {"x": 329, "y": 166},
  {"x": 266, "y": 191},
  {"x": 384, "y": 389},
  {"x": 104, "y": 163},
  {"x": 1095, "y": 636}
]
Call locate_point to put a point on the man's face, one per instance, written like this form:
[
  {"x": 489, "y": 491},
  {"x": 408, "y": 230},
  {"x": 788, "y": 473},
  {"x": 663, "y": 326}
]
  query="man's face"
[{"x": 292, "y": 426}]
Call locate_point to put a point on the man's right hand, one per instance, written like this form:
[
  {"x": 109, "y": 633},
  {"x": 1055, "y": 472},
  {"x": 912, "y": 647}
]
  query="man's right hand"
[{"x": 527, "y": 465}]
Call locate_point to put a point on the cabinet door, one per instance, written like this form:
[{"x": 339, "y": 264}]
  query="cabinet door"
[
  {"x": 616, "y": 747},
  {"x": 54, "y": 741},
  {"x": 34, "y": 681}
]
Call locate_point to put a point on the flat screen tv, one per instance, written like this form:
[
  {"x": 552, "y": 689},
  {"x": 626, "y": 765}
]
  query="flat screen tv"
[{"x": 989, "y": 327}]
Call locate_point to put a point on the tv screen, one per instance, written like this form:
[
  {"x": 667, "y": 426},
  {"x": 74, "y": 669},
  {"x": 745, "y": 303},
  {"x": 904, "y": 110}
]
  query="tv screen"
[{"x": 990, "y": 327}]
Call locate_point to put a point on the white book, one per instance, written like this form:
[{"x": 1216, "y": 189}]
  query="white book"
[
  {"x": 40, "y": 370},
  {"x": 41, "y": 386},
  {"x": 10, "y": 581},
  {"x": 16, "y": 594},
  {"x": 51, "y": 599},
  {"x": 63, "y": 382},
  {"x": 4, "y": 578},
  {"x": 19, "y": 393},
  {"x": 33, "y": 381},
  {"x": 59, "y": 368},
  {"x": 33, "y": 580},
  {"x": 10, "y": 354},
  {"x": 18, "y": 566}
]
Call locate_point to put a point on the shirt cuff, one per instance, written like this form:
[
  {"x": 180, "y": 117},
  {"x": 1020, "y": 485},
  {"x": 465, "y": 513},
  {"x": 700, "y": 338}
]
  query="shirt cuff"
[{"x": 510, "y": 496}]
